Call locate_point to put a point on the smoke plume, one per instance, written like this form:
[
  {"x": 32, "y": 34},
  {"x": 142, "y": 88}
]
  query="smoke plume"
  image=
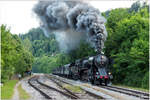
[{"x": 71, "y": 22}]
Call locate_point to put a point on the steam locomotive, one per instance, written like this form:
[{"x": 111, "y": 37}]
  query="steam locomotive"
[{"x": 94, "y": 69}]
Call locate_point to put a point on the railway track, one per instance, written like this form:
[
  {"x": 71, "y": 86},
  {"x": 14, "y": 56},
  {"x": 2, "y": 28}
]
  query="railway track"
[
  {"x": 130, "y": 92},
  {"x": 62, "y": 92},
  {"x": 72, "y": 95},
  {"x": 60, "y": 85},
  {"x": 40, "y": 86},
  {"x": 30, "y": 81},
  {"x": 139, "y": 94},
  {"x": 87, "y": 95}
]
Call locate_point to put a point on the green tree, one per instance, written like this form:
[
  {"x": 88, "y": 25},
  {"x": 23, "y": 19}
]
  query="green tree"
[
  {"x": 128, "y": 44},
  {"x": 15, "y": 58}
]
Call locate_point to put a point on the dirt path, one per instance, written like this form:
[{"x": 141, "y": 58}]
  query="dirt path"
[
  {"x": 16, "y": 93},
  {"x": 34, "y": 95}
]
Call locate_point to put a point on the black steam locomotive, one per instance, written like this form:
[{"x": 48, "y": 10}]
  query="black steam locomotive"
[{"x": 94, "y": 69}]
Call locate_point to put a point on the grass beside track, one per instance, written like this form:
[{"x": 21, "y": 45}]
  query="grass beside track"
[
  {"x": 75, "y": 89},
  {"x": 129, "y": 87},
  {"x": 22, "y": 93},
  {"x": 7, "y": 90}
]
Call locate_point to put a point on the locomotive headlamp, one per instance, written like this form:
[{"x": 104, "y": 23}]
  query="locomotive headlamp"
[
  {"x": 91, "y": 58},
  {"x": 102, "y": 57}
]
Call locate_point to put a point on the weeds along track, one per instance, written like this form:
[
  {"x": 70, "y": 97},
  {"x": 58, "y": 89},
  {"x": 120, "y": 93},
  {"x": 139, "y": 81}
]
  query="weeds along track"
[
  {"x": 86, "y": 95},
  {"x": 140, "y": 94},
  {"x": 49, "y": 92},
  {"x": 60, "y": 85}
]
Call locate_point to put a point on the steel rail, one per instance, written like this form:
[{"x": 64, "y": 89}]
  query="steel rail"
[
  {"x": 138, "y": 92},
  {"x": 71, "y": 93},
  {"x": 125, "y": 91},
  {"x": 41, "y": 92},
  {"x": 135, "y": 93},
  {"x": 90, "y": 93},
  {"x": 63, "y": 93}
]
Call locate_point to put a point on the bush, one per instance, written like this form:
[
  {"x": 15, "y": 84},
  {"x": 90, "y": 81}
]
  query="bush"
[{"x": 145, "y": 81}]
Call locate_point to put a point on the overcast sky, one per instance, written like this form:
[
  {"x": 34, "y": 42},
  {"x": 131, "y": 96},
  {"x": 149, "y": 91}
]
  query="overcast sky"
[{"x": 18, "y": 15}]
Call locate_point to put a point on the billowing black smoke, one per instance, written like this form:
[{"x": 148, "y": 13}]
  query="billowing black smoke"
[{"x": 71, "y": 22}]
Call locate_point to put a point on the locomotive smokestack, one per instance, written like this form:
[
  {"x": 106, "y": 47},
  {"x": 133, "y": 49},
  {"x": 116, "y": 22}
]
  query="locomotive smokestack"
[{"x": 71, "y": 22}]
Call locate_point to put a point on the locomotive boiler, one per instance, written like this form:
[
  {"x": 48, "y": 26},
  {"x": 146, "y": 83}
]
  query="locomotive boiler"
[{"x": 94, "y": 69}]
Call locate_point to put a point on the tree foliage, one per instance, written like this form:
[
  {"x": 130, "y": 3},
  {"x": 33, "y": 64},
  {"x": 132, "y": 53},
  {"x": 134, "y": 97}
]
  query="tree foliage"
[
  {"x": 127, "y": 43},
  {"x": 38, "y": 43},
  {"x": 15, "y": 58},
  {"x": 46, "y": 51},
  {"x": 45, "y": 64}
]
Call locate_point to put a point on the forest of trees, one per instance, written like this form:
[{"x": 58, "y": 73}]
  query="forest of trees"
[
  {"x": 127, "y": 43},
  {"x": 46, "y": 51},
  {"x": 15, "y": 58}
]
